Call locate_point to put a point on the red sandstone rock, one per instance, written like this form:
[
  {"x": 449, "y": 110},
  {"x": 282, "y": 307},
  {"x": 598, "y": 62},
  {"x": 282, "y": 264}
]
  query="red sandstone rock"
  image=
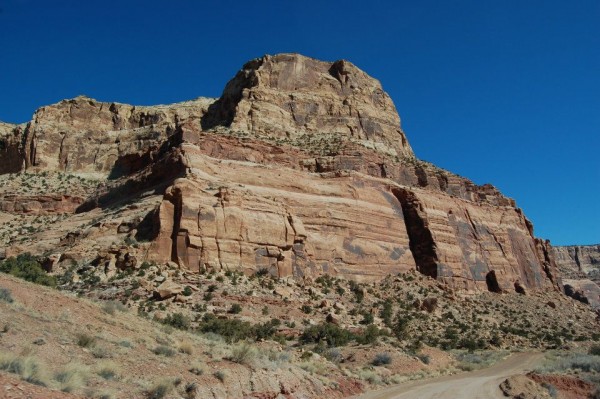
[{"x": 301, "y": 167}]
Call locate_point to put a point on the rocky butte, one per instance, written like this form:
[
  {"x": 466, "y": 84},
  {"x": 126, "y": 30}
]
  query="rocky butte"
[{"x": 301, "y": 167}]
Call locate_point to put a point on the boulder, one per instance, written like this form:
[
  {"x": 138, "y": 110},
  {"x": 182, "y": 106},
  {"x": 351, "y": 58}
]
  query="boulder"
[
  {"x": 167, "y": 290},
  {"x": 522, "y": 387}
]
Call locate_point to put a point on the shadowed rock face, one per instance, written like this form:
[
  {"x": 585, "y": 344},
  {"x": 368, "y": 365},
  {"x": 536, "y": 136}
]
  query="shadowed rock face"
[{"x": 301, "y": 168}]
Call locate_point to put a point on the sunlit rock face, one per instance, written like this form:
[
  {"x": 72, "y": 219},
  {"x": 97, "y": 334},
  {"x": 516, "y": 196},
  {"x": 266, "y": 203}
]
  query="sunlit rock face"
[{"x": 300, "y": 168}]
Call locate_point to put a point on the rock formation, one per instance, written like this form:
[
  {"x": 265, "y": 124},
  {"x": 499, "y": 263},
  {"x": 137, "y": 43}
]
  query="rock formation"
[
  {"x": 579, "y": 259},
  {"x": 580, "y": 266},
  {"x": 300, "y": 168}
]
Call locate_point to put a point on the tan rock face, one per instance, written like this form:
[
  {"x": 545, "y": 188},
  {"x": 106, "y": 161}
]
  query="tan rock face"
[
  {"x": 580, "y": 266},
  {"x": 84, "y": 135},
  {"x": 584, "y": 290},
  {"x": 300, "y": 168},
  {"x": 577, "y": 259},
  {"x": 239, "y": 215},
  {"x": 289, "y": 96},
  {"x": 39, "y": 204}
]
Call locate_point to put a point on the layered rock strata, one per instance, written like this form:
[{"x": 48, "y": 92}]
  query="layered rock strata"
[
  {"x": 300, "y": 168},
  {"x": 580, "y": 265}
]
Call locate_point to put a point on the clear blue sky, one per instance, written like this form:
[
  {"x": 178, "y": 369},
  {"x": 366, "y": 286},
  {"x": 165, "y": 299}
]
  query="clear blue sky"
[{"x": 506, "y": 92}]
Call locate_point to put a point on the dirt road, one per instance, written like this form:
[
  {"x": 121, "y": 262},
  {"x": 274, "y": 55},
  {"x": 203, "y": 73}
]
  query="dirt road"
[{"x": 481, "y": 384}]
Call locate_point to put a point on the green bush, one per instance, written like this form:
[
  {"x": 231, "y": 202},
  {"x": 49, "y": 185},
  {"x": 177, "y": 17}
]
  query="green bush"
[
  {"x": 163, "y": 350},
  {"x": 85, "y": 340},
  {"x": 369, "y": 335},
  {"x": 232, "y": 330},
  {"x": 595, "y": 350},
  {"x": 220, "y": 375},
  {"x": 235, "y": 308},
  {"x": 368, "y": 318},
  {"x": 160, "y": 389},
  {"x": 27, "y": 267},
  {"x": 177, "y": 320},
  {"x": 382, "y": 359},
  {"x": 387, "y": 313},
  {"x": 5, "y": 295},
  {"x": 187, "y": 291},
  {"x": 243, "y": 354},
  {"x": 328, "y": 333}
]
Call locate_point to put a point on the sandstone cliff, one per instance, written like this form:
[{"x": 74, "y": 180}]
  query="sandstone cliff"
[
  {"x": 300, "y": 168},
  {"x": 580, "y": 266}
]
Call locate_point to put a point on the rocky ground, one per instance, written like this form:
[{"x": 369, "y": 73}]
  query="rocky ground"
[{"x": 158, "y": 328}]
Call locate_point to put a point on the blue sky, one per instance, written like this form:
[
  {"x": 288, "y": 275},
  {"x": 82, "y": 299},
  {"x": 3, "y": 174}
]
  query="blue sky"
[{"x": 505, "y": 92}]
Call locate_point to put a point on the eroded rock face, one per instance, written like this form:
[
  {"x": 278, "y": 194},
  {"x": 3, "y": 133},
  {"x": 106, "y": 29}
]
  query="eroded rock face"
[
  {"x": 239, "y": 215},
  {"x": 84, "y": 135},
  {"x": 10, "y": 148},
  {"x": 580, "y": 266},
  {"x": 583, "y": 290},
  {"x": 300, "y": 168},
  {"x": 39, "y": 204},
  {"x": 288, "y": 96},
  {"x": 579, "y": 260}
]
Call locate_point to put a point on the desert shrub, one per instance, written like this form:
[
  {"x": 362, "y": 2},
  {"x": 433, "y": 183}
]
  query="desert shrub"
[
  {"x": 235, "y": 308},
  {"x": 334, "y": 355},
  {"x": 243, "y": 354},
  {"x": 160, "y": 389},
  {"x": 70, "y": 379},
  {"x": 400, "y": 325},
  {"x": 6, "y": 295},
  {"x": 386, "y": 313},
  {"x": 163, "y": 350},
  {"x": 426, "y": 359},
  {"x": 177, "y": 320},
  {"x": 196, "y": 368},
  {"x": 126, "y": 344},
  {"x": 108, "y": 371},
  {"x": 359, "y": 294},
  {"x": 261, "y": 272},
  {"x": 368, "y": 318},
  {"x": 100, "y": 352},
  {"x": 111, "y": 307},
  {"x": 370, "y": 376},
  {"x": 328, "y": 333},
  {"x": 594, "y": 350},
  {"x": 191, "y": 390},
  {"x": 306, "y": 309},
  {"x": 586, "y": 363},
  {"x": 26, "y": 367},
  {"x": 231, "y": 329},
  {"x": 265, "y": 330},
  {"x": 27, "y": 267},
  {"x": 382, "y": 359},
  {"x": 85, "y": 340},
  {"x": 220, "y": 375},
  {"x": 186, "y": 347},
  {"x": 187, "y": 291},
  {"x": 369, "y": 335}
]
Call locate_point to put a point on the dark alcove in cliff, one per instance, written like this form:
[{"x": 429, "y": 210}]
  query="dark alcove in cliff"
[{"x": 420, "y": 239}]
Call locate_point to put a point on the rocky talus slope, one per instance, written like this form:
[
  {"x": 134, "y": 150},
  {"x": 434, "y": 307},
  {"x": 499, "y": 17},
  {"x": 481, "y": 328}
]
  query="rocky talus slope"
[{"x": 300, "y": 168}]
